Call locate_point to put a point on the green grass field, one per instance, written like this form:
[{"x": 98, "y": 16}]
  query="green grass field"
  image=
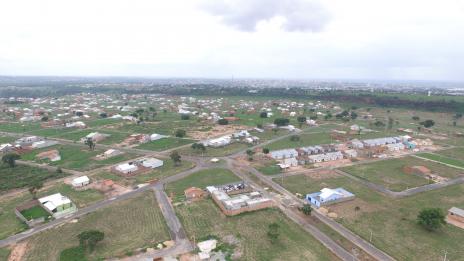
[
  {"x": 201, "y": 179},
  {"x": 78, "y": 157},
  {"x": 202, "y": 219},
  {"x": 168, "y": 169},
  {"x": 35, "y": 213},
  {"x": 9, "y": 223},
  {"x": 22, "y": 176},
  {"x": 165, "y": 144},
  {"x": 392, "y": 221},
  {"x": 215, "y": 152},
  {"x": 16, "y": 127},
  {"x": 389, "y": 173},
  {"x": 443, "y": 159},
  {"x": 128, "y": 225},
  {"x": 80, "y": 198},
  {"x": 457, "y": 153},
  {"x": 4, "y": 253},
  {"x": 306, "y": 139}
]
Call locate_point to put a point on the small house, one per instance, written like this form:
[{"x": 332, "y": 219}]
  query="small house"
[
  {"x": 152, "y": 163},
  {"x": 126, "y": 168},
  {"x": 194, "y": 193},
  {"x": 456, "y": 216},
  {"x": 329, "y": 196},
  {"x": 80, "y": 182},
  {"x": 58, "y": 205}
]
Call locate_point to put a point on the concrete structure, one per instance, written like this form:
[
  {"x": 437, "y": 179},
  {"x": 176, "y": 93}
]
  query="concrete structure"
[
  {"x": 58, "y": 205},
  {"x": 80, "y": 182},
  {"x": 283, "y": 154},
  {"x": 126, "y": 168},
  {"x": 194, "y": 193},
  {"x": 152, "y": 163},
  {"x": 456, "y": 217},
  {"x": 237, "y": 204},
  {"x": 329, "y": 196}
]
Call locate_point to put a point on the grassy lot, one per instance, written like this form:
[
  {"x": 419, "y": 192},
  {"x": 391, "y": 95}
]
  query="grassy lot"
[
  {"x": 393, "y": 221},
  {"x": 165, "y": 144},
  {"x": 201, "y": 179},
  {"x": 101, "y": 122},
  {"x": 4, "y": 253},
  {"x": 4, "y": 139},
  {"x": 17, "y": 127},
  {"x": 22, "y": 176},
  {"x": 80, "y": 198},
  {"x": 128, "y": 225},
  {"x": 202, "y": 219},
  {"x": 457, "y": 153},
  {"x": 34, "y": 213},
  {"x": 216, "y": 152},
  {"x": 77, "y": 157},
  {"x": 389, "y": 173},
  {"x": 51, "y": 132},
  {"x": 114, "y": 138},
  {"x": 168, "y": 169},
  {"x": 306, "y": 139},
  {"x": 9, "y": 223},
  {"x": 269, "y": 170},
  {"x": 443, "y": 159}
]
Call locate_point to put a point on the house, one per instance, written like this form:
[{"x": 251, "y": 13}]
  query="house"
[
  {"x": 52, "y": 155},
  {"x": 27, "y": 141},
  {"x": 95, "y": 137},
  {"x": 5, "y": 148},
  {"x": 395, "y": 147},
  {"x": 43, "y": 144},
  {"x": 152, "y": 163},
  {"x": 76, "y": 124},
  {"x": 357, "y": 144},
  {"x": 218, "y": 142},
  {"x": 350, "y": 153},
  {"x": 58, "y": 205},
  {"x": 194, "y": 193},
  {"x": 456, "y": 217},
  {"x": 126, "y": 168},
  {"x": 283, "y": 154},
  {"x": 329, "y": 196},
  {"x": 156, "y": 136},
  {"x": 80, "y": 182}
]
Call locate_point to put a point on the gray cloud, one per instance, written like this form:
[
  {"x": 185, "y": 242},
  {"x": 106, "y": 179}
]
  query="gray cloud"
[{"x": 244, "y": 15}]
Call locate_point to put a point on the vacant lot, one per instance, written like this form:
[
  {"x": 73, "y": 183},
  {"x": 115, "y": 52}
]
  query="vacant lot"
[
  {"x": 168, "y": 169},
  {"x": 305, "y": 139},
  {"x": 22, "y": 176},
  {"x": 389, "y": 173},
  {"x": 19, "y": 127},
  {"x": 127, "y": 225},
  {"x": 202, "y": 219},
  {"x": 165, "y": 144},
  {"x": 443, "y": 159},
  {"x": 9, "y": 223},
  {"x": 216, "y": 152},
  {"x": 456, "y": 153},
  {"x": 201, "y": 179},
  {"x": 78, "y": 157},
  {"x": 392, "y": 221}
]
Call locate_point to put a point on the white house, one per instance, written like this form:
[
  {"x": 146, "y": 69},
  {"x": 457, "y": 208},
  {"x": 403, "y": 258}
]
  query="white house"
[
  {"x": 58, "y": 204},
  {"x": 327, "y": 196},
  {"x": 152, "y": 163},
  {"x": 80, "y": 182},
  {"x": 284, "y": 154},
  {"x": 126, "y": 168},
  {"x": 156, "y": 136}
]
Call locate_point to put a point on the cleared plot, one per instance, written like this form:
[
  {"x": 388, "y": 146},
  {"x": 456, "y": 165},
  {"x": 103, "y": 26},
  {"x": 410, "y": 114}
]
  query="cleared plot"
[
  {"x": 390, "y": 174},
  {"x": 457, "y": 153},
  {"x": 202, "y": 219},
  {"x": 392, "y": 221},
  {"x": 168, "y": 169},
  {"x": 80, "y": 198},
  {"x": 77, "y": 157},
  {"x": 165, "y": 144},
  {"x": 51, "y": 132},
  {"x": 34, "y": 213},
  {"x": 216, "y": 152},
  {"x": 443, "y": 159},
  {"x": 305, "y": 139},
  {"x": 114, "y": 138},
  {"x": 201, "y": 179},
  {"x": 101, "y": 122},
  {"x": 22, "y": 176},
  {"x": 128, "y": 225}
]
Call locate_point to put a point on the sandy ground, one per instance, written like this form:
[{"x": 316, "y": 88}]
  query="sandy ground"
[
  {"x": 217, "y": 130},
  {"x": 18, "y": 252}
]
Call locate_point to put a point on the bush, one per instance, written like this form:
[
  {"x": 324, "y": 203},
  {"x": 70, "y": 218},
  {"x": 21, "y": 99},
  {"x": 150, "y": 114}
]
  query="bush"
[
  {"x": 223, "y": 122},
  {"x": 185, "y": 117},
  {"x": 73, "y": 254},
  {"x": 263, "y": 114},
  {"x": 281, "y": 121},
  {"x": 180, "y": 133}
]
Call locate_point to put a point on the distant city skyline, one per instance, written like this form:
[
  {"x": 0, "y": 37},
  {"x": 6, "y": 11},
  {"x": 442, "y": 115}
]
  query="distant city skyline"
[{"x": 265, "y": 39}]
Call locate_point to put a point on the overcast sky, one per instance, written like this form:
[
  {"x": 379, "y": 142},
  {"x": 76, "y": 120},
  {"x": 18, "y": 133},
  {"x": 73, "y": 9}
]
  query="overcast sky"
[{"x": 314, "y": 39}]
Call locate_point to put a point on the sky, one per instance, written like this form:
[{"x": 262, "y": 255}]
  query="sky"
[{"x": 284, "y": 39}]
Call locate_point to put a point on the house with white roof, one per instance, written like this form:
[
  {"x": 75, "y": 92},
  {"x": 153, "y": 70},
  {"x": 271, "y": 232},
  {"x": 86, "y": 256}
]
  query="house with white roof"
[
  {"x": 152, "y": 163},
  {"x": 80, "y": 182},
  {"x": 329, "y": 196},
  {"x": 126, "y": 168},
  {"x": 58, "y": 205},
  {"x": 283, "y": 154}
]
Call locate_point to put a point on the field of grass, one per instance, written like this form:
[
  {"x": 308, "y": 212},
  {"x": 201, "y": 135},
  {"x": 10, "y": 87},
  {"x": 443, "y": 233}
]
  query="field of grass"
[
  {"x": 269, "y": 170},
  {"x": 78, "y": 157},
  {"x": 51, "y": 132},
  {"x": 164, "y": 144},
  {"x": 80, "y": 198},
  {"x": 4, "y": 139},
  {"x": 392, "y": 221},
  {"x": 306, "y": 139},
  {"x": 9, "y": 223},
  {"x": 201, "y": 179},
  {"x": 457, "y": 153},
  {"x": 389, "y": 173},
  {"x": 443, "y": 159},
  {"x": 17, "y": 127},
  {"x": 4, "y": 253},
  {"x": 34, "y": 213},
  {"x": 202, "y": 219},
  {"x": 216, "y": 152},
  {"x": 22, "y": 176},
  {"x": 168, "y": 169},
  {"x": 128, "y": 225}
]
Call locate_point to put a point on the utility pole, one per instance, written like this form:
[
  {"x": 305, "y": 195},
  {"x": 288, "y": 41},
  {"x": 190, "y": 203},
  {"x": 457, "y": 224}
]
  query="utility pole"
[
  {"x": 370, "y": 238},
  {"x": 444, "y": 258}
]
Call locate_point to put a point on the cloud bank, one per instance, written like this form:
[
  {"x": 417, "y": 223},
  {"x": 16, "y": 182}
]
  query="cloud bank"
[{"x": 244, "y": 15}]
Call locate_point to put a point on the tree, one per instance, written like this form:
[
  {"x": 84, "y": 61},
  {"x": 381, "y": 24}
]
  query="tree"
[
  {"x": 263, "y": 114},
  {"x": 379, "y": 124},
  {"x": 79, "y": 113},
  {"x": 427, "y": 123},
  {"x": 34, "y": 187},
  {"x": 250, "y": 154},
  {"x": 44, "y": 118},
  {"x": 103, "y": 115},
  {"x": 273, "y": 232},
  {"x": 185, "y": 117},
  {"x": 259, "y": 126},
  {"x": 301, "y": 120},
  {"x": 295, "y": 138},
  {"x": 416, "y": 118},
  {"x": 328, "y": 116},
  {"x": 281, "y": 121},
  {"x": 89, "y": 239},
  {"x": 431, "y": 218},
  {"x": 198, "y": 146},
  {"x": 10, "y": 159},
  {"x": 175, "y": 157},
  {"x": 265, "y": 150},
  {"x": 306, "y": 209},
  {"x": 390, "y": 123},
  {"x": 353, "y": 115},
  {"x": 180, "y": 133},
  {"x": 89, "y": 142},
  {"x": 223, "y": 122},
  {"x": 356, "y": 209}
]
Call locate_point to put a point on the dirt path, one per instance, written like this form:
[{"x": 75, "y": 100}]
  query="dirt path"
[{"x": 18, "y": 252}]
